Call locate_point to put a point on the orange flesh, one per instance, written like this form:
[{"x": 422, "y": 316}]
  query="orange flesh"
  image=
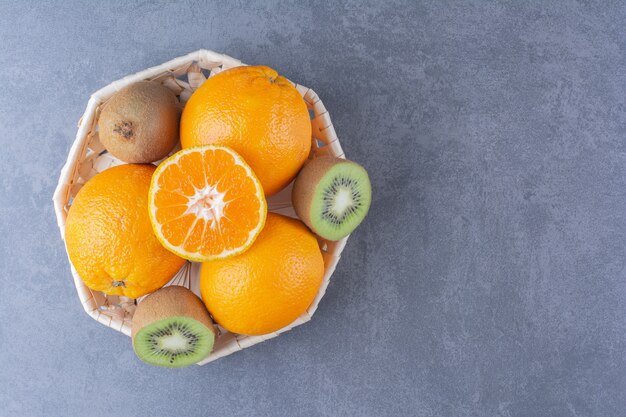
[{"x": 206, "y": 203}]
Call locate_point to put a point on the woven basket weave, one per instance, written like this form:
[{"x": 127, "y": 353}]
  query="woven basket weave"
[{"x": 87, "y": 157}]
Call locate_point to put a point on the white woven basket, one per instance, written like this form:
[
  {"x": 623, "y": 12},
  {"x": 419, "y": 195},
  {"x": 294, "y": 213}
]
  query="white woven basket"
[{"x": 87, "y": 157}]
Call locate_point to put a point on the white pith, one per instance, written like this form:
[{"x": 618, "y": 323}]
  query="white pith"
[{"x": 207, "y": 204}]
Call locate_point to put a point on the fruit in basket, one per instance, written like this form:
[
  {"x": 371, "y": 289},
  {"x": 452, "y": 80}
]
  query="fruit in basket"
[
  {"x": 172, "y": 328},
  {"x": 270, "y": 285},
  {"x": 109, "y": 237},
  {"x": 259, "y": 114},
  {"x": 206, "y": 203},
  {"x": 140, "y": 123},
  {"x": 332, "y": 196}
]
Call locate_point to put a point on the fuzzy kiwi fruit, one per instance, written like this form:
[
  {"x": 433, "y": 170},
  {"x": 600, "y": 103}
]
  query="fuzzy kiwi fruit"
[
  {"x": 172, "y": 328},
  {"x": 332, "y": 196},
  {"x": 139, "y": 123}
]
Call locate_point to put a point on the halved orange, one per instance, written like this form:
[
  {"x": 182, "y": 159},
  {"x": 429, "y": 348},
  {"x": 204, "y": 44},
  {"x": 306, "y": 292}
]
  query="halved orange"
[{"x": 206, "y": 203}]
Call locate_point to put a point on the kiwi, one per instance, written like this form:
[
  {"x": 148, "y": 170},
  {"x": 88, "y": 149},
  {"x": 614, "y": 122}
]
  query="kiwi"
[
  {"x": 332, "y": 196},
  {"x": 139, "y": 123},
  {"x": 172, "y": 328}
]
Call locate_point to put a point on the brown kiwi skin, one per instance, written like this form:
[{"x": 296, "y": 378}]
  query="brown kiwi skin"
[
  {"x": 169, "y": 302},
  {"x": 304, "y": 187},
  {"x": 140, "y": 123}
]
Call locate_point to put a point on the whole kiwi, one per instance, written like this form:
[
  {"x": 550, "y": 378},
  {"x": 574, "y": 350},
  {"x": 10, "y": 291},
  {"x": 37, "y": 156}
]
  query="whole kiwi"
[{"x": 139, "y": 123}]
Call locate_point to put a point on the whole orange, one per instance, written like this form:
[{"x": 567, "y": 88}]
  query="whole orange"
[
  {"x": 268, "y": 286},
  {"x": 256, "y": 112},
  {"x": 109, "y": 237}
]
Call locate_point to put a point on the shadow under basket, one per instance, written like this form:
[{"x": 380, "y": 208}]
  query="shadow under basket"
[{"x": 87, "y": 157}]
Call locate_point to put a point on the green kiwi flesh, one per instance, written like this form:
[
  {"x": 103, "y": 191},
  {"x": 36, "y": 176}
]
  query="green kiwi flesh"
[
  {"x": 174, "y": 342},
  {"x": 332, "y": 196}
]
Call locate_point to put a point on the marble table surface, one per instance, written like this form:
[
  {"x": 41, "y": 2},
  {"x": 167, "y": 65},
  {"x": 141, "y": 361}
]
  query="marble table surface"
[{"x": 489, "y": 278}]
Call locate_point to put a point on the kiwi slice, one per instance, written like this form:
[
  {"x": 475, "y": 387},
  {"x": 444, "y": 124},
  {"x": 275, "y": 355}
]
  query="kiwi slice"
[
  {"x": 172, "y": 328},
  {"x": 332, "y": 196}
]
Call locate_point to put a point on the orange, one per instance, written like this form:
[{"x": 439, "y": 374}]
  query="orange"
[
  {"x": 109, "y": 237},
  {"x": 268, "y": 286},
  {"x": 259, "y": 114},
  {"x": 206, "y": 203}
]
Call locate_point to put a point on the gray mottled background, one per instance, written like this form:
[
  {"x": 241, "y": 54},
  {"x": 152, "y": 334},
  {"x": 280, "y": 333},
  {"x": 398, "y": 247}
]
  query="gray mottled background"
[{"x": 489, "y": 278}]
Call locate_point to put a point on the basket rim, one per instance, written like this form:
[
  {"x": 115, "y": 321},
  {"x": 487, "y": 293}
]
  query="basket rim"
[{"x": 321, "y": 124}]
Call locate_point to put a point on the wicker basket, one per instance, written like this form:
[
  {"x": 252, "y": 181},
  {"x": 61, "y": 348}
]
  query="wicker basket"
[{"x": 88, "y": 157}]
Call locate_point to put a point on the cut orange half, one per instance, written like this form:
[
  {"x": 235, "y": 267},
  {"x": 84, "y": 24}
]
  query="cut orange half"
[{"x": 206, "y": 203}]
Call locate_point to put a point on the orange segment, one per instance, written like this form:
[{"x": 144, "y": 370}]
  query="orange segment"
[
  {"x": 206, "y": 203},
  {"x": 166, "y": 199}
]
